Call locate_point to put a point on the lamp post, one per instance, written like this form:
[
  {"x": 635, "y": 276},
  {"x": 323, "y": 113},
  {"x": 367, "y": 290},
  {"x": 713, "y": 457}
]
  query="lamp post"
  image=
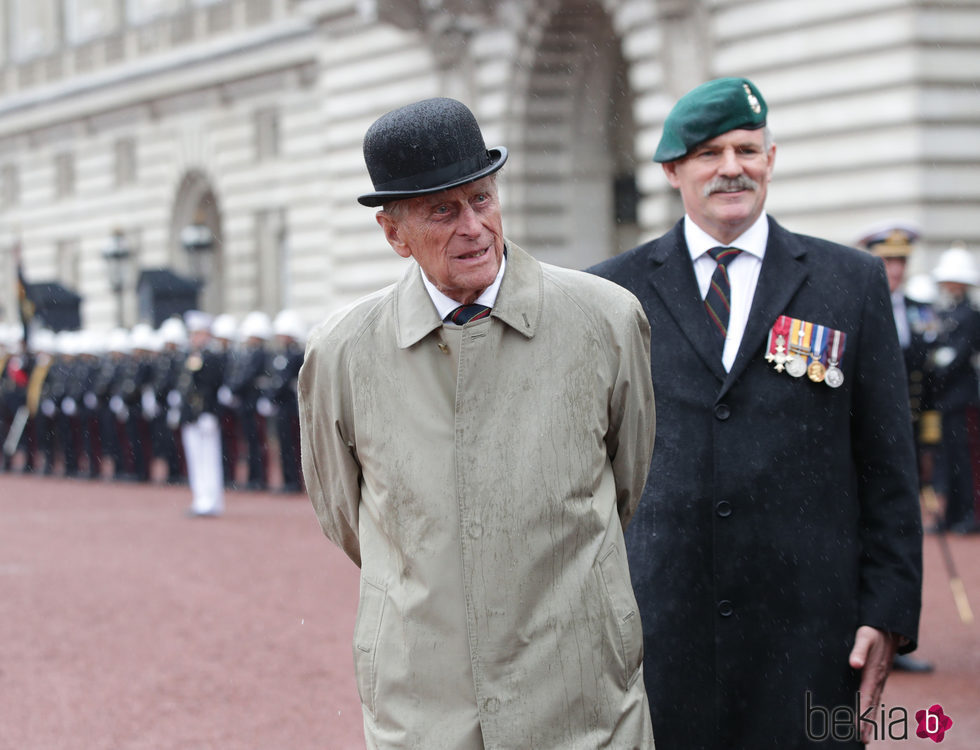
[
  {"x": 198, "y": 241},
  {"x": 117, "y": 253}
]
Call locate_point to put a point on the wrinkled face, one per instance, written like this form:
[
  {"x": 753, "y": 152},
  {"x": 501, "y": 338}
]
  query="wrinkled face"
[
  {"x": 723, "y": 182},
  {"x": 456, "y": 236}
]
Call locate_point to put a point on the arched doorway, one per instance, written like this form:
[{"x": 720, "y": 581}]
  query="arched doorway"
[
  {"x": 574, "y": 185},
  {"x": 196, "y": 243}
]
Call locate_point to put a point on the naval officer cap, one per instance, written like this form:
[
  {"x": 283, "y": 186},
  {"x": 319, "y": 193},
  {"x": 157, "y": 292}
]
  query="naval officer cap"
[
  {"x": 426, "y": 147},
  {"x": 708, "y": 111},
  {"x": 889, "y": 239}
]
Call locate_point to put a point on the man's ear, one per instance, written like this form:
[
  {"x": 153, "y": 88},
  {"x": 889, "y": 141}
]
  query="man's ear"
[
  {"x": 670, "y": 169},
  {"x": 390, "y": 227}
]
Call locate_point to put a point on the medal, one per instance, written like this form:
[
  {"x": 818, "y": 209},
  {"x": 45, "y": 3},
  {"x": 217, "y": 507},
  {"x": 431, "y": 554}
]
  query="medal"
[
  {"x": 776, "y": 347},
  {"x": 834, "y": 377},
  {"x": 799, "y": 347},
  {"x": 816, "y": 370}
]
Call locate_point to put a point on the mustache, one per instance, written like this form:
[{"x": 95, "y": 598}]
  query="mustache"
[{"x": 730, "y": 185}]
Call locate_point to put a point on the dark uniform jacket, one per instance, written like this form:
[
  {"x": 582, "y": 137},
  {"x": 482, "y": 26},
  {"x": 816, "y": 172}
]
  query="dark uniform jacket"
[
  {"x": 952, "y": 360},
  {"x": 779, "y": 514}
]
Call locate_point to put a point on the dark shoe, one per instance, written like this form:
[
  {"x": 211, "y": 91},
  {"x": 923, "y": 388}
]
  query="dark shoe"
[
  {"x": 905, "y": 663},
  {"x": 965, "y": 527}
]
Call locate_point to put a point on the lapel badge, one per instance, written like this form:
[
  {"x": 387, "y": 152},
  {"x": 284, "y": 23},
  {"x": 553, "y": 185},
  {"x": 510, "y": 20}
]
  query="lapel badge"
[{"x": 753, "y": 100}]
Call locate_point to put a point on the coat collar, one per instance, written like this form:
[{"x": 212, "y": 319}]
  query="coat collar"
[
  {"x": 519, "y": 300},
  {"x": 672, "y": 277}
]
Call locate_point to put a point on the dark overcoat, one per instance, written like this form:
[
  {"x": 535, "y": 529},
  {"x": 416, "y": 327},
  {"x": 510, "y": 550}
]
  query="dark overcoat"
[{"x": 779, "y": 514}]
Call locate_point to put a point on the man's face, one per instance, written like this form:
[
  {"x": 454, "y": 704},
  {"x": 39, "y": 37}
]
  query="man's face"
[
  {"x": 723, "y": 182},
  {"x": 456, "y": 236},
  {"x": 895, "y": 268}
]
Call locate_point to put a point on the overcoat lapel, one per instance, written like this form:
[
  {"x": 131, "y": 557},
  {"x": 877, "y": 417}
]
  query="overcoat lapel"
[
  {"x": 783, "y": 271},
  {"x": 672, "y": 277}
]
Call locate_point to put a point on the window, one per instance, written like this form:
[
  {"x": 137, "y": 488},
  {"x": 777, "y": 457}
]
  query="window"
[
  {"x": 266, "y": 134},
  {"x": 69, "y": 260},
  {"x": 9, "y": 186},
  {"x": 64, "y": 175},
  {"x": 125, "y": 152},
  {"x": 271, "y": 261}
]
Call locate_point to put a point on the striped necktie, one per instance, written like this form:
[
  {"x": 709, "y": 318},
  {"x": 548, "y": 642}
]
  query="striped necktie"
[
  {"x": 717, "y": 302},
  {"x": 465, "y": 313}
]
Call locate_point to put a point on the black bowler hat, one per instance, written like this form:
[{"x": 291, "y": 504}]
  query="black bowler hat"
[{"x": 425, "y": 147}]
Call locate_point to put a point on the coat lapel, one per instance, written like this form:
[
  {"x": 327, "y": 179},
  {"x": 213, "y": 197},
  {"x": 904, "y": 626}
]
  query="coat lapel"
[
  {"x": 783, "y": 271},
  {"x": 672, "y": 278}
]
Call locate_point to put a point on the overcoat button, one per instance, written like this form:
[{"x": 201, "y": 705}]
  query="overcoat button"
[
  {"x": 491, "y": 705},
  {"x": 723, "y": 411},
  {"x": 726, "y": 608},
  {"x": 724, "y": 508}
]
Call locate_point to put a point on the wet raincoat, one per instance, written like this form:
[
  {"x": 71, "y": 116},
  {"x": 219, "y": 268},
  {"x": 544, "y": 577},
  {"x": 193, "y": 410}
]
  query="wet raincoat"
[{"x": 481, "y": 477}]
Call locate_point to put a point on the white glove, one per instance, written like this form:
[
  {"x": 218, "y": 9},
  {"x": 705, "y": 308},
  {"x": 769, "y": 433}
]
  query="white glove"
[
  {"x": 225, "y": 396},
  {"x": 173, "y": 399},
  {"x": 90, "y": 401},
  {"x": 149, "y": 402},
  {"x": 68, "y": 406},
  {"x": 47, "y": 407},
  {"x": 264, "y": 407},
  {"x": 173, "y": 418},
  {"x": 116, "y": 405}
]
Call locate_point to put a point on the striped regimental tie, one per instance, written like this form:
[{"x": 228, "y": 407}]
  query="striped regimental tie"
[
  {"x": 717, "y": 302},
  {"x": 465, "y": 313}
]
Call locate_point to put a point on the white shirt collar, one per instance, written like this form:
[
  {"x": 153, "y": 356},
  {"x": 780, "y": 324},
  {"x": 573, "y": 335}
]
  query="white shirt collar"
[
  {"x": 445, "y": 305},
  {"x": 753, "y": 240}
]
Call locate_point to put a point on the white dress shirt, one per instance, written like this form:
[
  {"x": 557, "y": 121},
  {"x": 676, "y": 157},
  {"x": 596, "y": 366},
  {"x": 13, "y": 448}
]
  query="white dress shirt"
[
  {"x": 743, "y": 273},
  {"x": 446, "y": 305},
  {"x": 901, "y": 319}
]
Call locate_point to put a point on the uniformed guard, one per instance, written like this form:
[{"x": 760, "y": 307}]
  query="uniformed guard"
[
  {"x": 917, "y": 325},
  {"x": 89, "y": 367},
  {"x": 223, "y": 333},
  {"x": 167, "y": 367},
  {"x": 198, "y": 391},
  {"x": 247, "y": 379},
  {"x": 109, "y": 405},
  {"x": 43, "y": 390},
  {"x": 290, "y": 332},
  {"x": 957, "y": 387}
]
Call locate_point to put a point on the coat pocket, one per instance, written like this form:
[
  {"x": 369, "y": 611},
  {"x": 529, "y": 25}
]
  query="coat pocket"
[
  {"x": 366, "y": 630},
  {"x": 614, "y": 575}
]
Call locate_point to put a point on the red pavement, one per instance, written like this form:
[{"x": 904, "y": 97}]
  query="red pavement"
[{"x": 126, "y": 626}]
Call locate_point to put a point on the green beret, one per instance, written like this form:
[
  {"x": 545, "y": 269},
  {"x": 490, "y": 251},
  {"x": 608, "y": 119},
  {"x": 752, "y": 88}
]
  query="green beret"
[{"x": 708, "y": 111}]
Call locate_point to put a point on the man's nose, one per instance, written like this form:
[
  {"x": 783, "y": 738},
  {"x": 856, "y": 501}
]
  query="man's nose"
[
  {"x": 468, "y": 224},
  {"x": 730, "y": 165}
]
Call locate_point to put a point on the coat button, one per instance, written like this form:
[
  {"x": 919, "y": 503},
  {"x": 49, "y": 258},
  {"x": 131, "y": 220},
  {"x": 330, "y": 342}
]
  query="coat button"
[
  {"x": 726, "y": 608},
  {"x": 491, "y": 705},
  {"x": 723, "y": 509},
  {"x": 723, "y": 412},
  {"x": 476, "y": 530}
]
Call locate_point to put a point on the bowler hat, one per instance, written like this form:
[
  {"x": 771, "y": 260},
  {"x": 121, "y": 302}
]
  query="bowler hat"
[
  {"x": 705, "y": 112},
  {"x": 425, "y": 147}
]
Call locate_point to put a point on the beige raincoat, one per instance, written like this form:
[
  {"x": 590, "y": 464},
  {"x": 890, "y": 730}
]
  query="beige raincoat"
[{"x": 482, "y": 477}]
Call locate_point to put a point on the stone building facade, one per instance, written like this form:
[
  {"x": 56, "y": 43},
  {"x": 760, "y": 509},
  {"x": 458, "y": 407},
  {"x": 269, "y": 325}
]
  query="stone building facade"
[{"x": 145, "y": 117}]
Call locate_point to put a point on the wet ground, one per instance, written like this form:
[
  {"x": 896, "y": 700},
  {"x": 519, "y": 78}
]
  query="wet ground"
[{"x": 126, "y": 626}]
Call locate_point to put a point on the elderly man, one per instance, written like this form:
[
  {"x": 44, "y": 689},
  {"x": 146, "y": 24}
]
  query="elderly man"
[
  {"x": 776, "y": 555},
  {"x": 475, "y": 438}
]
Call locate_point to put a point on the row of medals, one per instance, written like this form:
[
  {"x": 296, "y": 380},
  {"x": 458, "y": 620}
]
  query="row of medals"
[{"x": 795, "y": 363}]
